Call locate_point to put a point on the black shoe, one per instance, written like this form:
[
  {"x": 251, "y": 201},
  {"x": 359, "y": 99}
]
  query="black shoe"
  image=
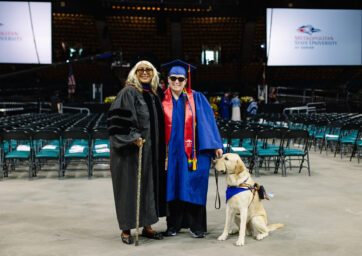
[
  {"x": 153, "y": 234},
  {"x": 197, "y": 234},
  {"x": 127, "y": 239},
  {"x": 169, "y": 232}
]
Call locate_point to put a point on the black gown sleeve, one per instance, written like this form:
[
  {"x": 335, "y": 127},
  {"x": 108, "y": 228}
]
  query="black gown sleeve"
[{"x": 122, "y": 120}]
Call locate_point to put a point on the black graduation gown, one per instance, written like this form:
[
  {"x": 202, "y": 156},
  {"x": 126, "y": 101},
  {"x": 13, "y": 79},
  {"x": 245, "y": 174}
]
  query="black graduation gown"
[{"x": 132, "y": 115}]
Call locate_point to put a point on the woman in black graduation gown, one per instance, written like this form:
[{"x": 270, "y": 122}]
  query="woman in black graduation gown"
[{"x": 134, "y": 116}]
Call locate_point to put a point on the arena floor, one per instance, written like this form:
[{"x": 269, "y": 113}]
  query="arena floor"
[{"x": 76, "y": 216}]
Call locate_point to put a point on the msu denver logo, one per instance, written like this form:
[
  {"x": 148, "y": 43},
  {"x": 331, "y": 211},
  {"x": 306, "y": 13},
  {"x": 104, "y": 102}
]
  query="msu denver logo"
[{"x": 308, "y": 29}]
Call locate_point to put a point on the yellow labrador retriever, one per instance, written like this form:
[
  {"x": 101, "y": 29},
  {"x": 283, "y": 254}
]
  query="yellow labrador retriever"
[{"x": 243, "y": 206}]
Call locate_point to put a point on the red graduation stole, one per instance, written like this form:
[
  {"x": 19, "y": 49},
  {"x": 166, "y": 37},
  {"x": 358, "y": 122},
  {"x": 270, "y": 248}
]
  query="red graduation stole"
[{"x": 190, "y": 124}]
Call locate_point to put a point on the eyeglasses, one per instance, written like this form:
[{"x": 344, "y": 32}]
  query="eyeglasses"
[
  {"x": 142, "y": 70},
  {"x": 180, "y": 79}
]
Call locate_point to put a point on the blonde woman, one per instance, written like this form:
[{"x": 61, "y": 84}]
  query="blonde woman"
[{"x": 134, "y": 117}]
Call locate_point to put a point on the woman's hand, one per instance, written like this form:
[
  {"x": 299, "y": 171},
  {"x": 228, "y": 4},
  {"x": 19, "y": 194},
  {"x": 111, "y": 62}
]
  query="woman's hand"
[
  {"x": 139, "y": 142},
  {"x": 218, "y": 152}
]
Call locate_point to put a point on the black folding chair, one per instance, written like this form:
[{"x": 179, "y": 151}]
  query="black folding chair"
[
  {"x": 47, "y": 146},
  {"x": 19, "y": 149},
  {"x": 225, "y": 137},
  {"x": 246, "y": 147},
  {"x": 100, "y": 147},
  {"x": 295, "y": 147},
  {"x": 268, "y": 146},
  {"x": 76, "y": 146}
]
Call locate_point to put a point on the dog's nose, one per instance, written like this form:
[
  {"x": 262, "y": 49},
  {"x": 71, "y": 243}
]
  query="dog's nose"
[{"x": 222, "y": 171}]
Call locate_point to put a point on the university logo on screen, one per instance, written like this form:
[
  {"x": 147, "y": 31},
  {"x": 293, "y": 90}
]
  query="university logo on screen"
[
  {"x": 308, "y": 29},
  {"x": 308, "y": 37},
  {"x": 8, "y": 35}
]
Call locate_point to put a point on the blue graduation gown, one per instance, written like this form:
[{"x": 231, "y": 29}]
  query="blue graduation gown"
[
  {"x": 225, "y": 108},
  {"x": 184, "y": 184}
]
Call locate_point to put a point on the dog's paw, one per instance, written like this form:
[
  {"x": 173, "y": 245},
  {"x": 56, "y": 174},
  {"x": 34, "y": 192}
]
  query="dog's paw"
[
  {"x": 223, "y": 237},
  {"x": 233, "y": 231},
  {"x": 240, "y": 242},
  {"x": 261, "y": 236}
]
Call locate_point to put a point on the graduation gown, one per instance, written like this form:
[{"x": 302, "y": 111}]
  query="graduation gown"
[
  {"x": 183, "y": 184},
  {"x": 225, "y": 108},
  {"x": 132, "y": 115}
]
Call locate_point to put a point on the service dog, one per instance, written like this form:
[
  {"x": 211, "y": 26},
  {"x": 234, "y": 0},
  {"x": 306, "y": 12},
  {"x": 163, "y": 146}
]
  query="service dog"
[{"x": 245, "y": 208}]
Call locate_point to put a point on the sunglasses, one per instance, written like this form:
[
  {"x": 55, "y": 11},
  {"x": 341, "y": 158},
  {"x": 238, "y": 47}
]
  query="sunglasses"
[
  {"x": 142, "y": 70},
  {"x": 180, "y": 79}
]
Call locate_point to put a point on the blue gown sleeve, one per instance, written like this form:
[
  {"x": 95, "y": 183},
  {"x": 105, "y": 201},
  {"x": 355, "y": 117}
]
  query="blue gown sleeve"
[{"x": 208, "y": 136}]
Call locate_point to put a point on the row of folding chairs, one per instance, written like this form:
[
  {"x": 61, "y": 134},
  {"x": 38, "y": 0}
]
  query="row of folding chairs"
[
  {"x": 336, "y": 132},
  {"x": 39, "y": 148},
  {"x": 269, "y": 148},
  {"x": 343, "y": 137}
]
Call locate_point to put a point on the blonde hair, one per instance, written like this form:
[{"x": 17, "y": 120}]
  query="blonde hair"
[{"x": 133, "y": 80}]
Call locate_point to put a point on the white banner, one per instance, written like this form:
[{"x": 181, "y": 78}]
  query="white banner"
[
  {"x": 309, "y": 37},
  {"x": 25, "y": 32}
]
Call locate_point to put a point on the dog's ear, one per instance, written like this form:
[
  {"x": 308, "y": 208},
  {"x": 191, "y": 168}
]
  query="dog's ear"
[{"x": 240, "y": 166}]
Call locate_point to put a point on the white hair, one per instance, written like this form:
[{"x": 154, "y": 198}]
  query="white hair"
[{"x": 132, "y": 78}]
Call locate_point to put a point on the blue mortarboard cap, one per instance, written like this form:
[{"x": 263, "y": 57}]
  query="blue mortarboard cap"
[{"x": 178, "y": 67}]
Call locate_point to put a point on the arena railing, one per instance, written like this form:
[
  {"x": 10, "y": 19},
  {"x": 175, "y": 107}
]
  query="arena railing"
[{"x": 302, "y": 109}]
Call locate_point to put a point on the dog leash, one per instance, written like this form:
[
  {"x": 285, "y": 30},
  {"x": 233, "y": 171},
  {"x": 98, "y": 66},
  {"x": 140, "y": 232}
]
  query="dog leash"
[{"x": 217, "y": 198}]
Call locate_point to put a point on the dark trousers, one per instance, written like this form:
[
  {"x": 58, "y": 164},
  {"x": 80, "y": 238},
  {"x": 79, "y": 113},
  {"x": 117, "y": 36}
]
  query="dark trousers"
[{"x": 186, "y": 215}]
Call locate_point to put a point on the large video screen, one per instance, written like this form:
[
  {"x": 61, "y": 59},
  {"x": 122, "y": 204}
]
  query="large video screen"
[
  {"x": 25, "y": 32},
  {"x": 314, "y": 37}
]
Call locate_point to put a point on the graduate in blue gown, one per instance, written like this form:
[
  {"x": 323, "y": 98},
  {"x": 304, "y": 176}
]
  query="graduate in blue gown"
[
  {"x": 225, "y": 106},
  {"x": 192, "y": 139}
]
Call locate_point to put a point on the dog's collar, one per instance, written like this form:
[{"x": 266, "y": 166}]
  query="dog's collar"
[{"x": 243, "y": 184}]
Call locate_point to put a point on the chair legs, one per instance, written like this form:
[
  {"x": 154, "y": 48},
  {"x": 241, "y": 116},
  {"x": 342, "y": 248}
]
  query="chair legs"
[
  {"x": 304, "y": 159},
  {"x": 90, "y": 168},
  {"x": 60, "y": 167},
  {"x": 308, "y": 164},
  {"x": 323, "y": 142},
  {"x": 31, "y": 174},
  {"x": 1, "y": 171},
  {"x": 301, "y": 164},
  {"x": 284, "y": 168},
  {"x": 257, "y": 174},
  {"x": 259, "y": 161},
  {"x": 354, "y": 151},
  {"x": 251, "y": 164}
]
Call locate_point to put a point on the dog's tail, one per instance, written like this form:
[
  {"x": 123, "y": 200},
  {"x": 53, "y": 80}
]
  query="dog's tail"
[{"x": 272, "y": 227}]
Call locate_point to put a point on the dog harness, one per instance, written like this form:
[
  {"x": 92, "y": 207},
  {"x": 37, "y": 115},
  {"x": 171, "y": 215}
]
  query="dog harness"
[{"x": 232, "y": 191}]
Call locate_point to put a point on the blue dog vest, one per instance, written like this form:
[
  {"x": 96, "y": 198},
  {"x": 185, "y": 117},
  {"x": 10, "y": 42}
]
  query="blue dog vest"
[{"x": 232, "y": 191}]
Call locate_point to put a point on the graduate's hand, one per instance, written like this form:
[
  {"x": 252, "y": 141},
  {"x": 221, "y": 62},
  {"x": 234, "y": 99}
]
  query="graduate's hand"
[
  {"x": 218, "y": 152},
  {"x": 139, "y": 142}
]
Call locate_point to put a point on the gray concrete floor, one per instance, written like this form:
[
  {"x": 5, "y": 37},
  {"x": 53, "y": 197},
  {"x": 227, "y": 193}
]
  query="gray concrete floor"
[{"x": 76, "y": 216}]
